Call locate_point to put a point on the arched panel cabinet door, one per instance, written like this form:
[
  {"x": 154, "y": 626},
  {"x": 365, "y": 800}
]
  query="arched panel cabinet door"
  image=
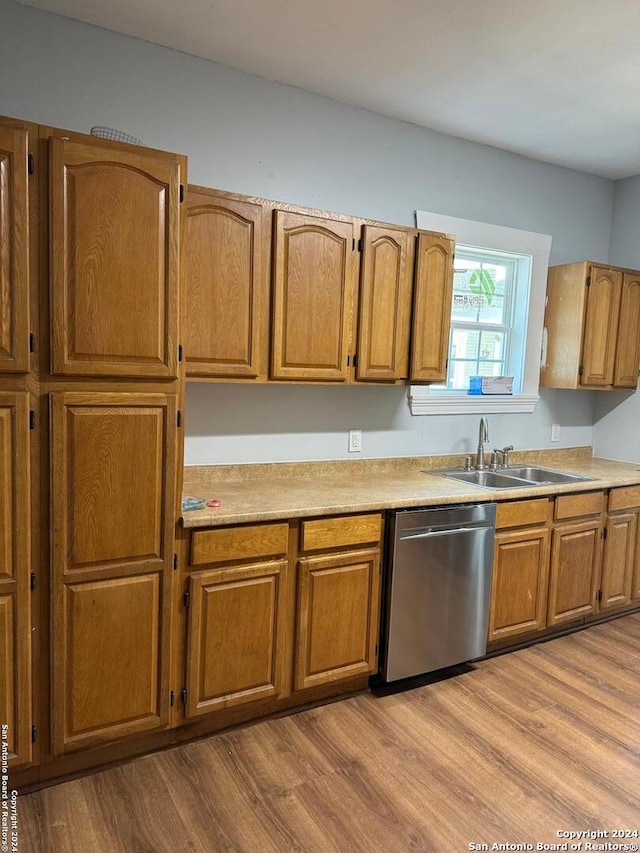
[
  {"x": 433, "y": 292},
  {"x": 627, "y": 360},
  {"x": 14, "y": 250},
  {"x": 601, "y": 326},
  {"x": 313, "y": 293},
  {"x": 115, "y": 241},
  {"x": 226, "y": 282},
  {"x": 385, "y": 303}
]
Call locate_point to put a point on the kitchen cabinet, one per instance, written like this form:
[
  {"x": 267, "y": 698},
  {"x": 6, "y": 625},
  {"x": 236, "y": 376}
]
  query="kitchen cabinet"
[
  {"x": 114, "y": 259},
  {"x": 14, "y": 249},
  {"x": 338, "y": 599},
  {"x": 576, "y": 555},
  {"x": 621, "y": 561},
  {"x": 15, "y": 566},
  {"x": 592, "y": 323},
  {"x": 227, "y": 280},
  {"x": 314, "y": 289},
  {"x": 113, "y": 466},
  {"x": 432, "y": 307},
  {"x": 237, "y": 616},
  {"x": 520, "y": 578},
  {"x": 384, "y": 307}
]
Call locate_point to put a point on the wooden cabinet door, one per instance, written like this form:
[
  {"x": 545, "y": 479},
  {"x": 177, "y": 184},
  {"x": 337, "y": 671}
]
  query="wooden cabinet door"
[
  {"x": 14, "y": 251},
  {"x": 385, "y": 303},
  {"x": 15, "y": 566},
  {"x": 235, "y": 636},
  {"x": 113, "y": 481},
  {"x": 617, "y": 562},
  {"x": 519, "y": 583},
  {"x": 338, "y": 608},
  {"x": 601, "y": 327},
  {"x": 115, "y": 227},
  {"x": 627, "y": 360},
  {"x": 575, "y": 565},
  {"x": 227, "y": 279},
  {"x": 433, "y": 292},
  {"x": 313, "y": 297},
  {"x": 635, "y": 582}
]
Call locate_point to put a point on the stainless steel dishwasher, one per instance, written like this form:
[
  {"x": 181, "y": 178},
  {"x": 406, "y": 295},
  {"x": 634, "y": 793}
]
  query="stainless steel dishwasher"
[{"x": 437, "y": 599}]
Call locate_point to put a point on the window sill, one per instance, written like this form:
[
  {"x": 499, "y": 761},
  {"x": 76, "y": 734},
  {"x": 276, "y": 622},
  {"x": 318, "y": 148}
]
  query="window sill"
[{"x": 423, "y": 403}]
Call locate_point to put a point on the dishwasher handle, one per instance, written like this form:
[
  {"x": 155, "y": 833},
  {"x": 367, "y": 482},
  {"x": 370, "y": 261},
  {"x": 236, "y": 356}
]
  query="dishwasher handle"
[{"x": 445, "y": 531}]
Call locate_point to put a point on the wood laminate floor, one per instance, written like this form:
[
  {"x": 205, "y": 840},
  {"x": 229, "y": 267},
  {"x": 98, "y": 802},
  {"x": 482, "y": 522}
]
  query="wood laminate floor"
[{"x": 534, "y": 742}]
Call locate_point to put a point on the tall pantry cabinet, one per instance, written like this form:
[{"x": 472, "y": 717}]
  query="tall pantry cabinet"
[
  {"x": 17, "y": 392},
  {"x": 114, "y": 269},
  {"x": 90, "y": 438}
]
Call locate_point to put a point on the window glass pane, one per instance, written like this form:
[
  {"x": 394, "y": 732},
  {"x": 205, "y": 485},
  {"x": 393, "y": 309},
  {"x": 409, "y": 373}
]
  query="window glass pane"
[{"x": 481, "y": 291}]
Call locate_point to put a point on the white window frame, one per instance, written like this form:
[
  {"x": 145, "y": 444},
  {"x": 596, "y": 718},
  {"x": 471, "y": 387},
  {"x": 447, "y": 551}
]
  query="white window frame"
[{"x": 484, "y": 235}]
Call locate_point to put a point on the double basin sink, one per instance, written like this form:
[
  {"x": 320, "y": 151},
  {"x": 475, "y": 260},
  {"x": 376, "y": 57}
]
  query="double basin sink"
[{"x": 513, "y": 477}]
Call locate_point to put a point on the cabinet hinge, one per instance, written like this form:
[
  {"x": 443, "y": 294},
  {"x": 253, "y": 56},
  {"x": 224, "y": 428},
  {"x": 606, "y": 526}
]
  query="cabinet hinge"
[
  {"x": 355, "y": 359},
  {"x": 32, "y": 581},
  {"x": 186, "y": 598},
  {"x": 32, "y": 419},
  {"x": 32, "y": 342},
  {"x": 353, "y": 244},
  {"x": 172, "y": 698},
  {"x": 446, "y": 364},
  {"x": 360, "y": 246},
  {"x": 183, "y": 695},
  {"x": 588, "y": 281},
  {"x": 31, "y": 166},
  {"x": 181, "y": 193},
  {"x": 179, "y": 352},
  {"x": 599, "y": 595},
  {"x": 376, "y": 648},
  {"x": 580, "y": 370},
  {"x": 348, "y": 360},
  {"x": 175, "y": 562},
  {"x": 179, "y": 418},
  {"x": 604, "y": 533},
  {"x": 34, "y": 734}
]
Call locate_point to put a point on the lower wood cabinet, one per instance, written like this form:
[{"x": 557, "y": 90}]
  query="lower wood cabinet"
[
  {"x": 113, "y": 481},
  {"x": 620, "y": 584},
  {"x": 520, "y": 576},
  {"x": 338, "y": 609},
  {"x": 15, "y": 567},
  {"x": 236, "y": 636},
  {"x": 576, "y": 554}
]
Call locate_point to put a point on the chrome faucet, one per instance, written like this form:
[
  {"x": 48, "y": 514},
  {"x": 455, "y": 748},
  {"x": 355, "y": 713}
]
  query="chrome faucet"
[{"x": 483, "y": 435}]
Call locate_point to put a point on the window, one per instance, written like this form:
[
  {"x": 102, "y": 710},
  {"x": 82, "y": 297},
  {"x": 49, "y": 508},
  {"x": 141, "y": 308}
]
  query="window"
[
  {"x": 500, "y": 277},
  {"x": 487, "y": 331}
]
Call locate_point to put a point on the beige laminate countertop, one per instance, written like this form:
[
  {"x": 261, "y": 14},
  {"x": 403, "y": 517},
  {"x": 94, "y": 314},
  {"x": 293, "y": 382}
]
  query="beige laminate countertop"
[{"x": 294, "y": 490}]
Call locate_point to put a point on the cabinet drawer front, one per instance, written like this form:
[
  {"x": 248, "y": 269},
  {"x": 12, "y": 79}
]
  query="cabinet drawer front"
[
  {"x": 574, "y": 506},
  {"x": 323, "y": 533},
  {"x": 521, "y": 513},
  {"x": 239, "y": 543},
  {"x": 626, "y": 498}
]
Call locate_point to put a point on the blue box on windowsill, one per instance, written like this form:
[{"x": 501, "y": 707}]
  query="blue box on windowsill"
[{"x": 475, "y": 385}]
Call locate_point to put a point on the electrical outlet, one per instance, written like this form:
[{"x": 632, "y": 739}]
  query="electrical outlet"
[
  {"x": 555, "y": 432},
  {"x": 355, "y": 440}
]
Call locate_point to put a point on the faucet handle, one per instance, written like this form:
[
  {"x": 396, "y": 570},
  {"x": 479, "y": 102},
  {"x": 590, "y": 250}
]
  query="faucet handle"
[
  {"x": 494, "y": 463},
  {"x": 505, "y": 455}
]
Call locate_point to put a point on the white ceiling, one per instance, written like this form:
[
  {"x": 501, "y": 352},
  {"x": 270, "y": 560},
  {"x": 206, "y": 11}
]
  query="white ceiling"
[{"x": 558, "y": 80}]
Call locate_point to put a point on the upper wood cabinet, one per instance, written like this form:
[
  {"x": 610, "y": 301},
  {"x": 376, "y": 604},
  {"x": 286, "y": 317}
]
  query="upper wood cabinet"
[
  {"x": 592, "y": 323},
  {"x": 314, "y": 279},
  {"x": 15, "y": 567},
  {"x": 384, "y": 308},
  {"x": 114, "y": 260},
  {"x": 113, "y": 475},
  {"x": 227, "y": 255},
  {"x": 14, "y": 250},
  {"x": 431, "y": 307}
]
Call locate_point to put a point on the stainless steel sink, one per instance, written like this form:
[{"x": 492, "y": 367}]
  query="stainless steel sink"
[
  {"x": 521, "y": 477},
  {"x": 486, "y": 479},
  {"x": 542, "y": 475}
]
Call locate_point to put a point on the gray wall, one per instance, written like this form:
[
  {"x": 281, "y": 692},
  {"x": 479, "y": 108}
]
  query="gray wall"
[
  {"x": 616, "y": 433},
  {"x": 253, "y": 136}
]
